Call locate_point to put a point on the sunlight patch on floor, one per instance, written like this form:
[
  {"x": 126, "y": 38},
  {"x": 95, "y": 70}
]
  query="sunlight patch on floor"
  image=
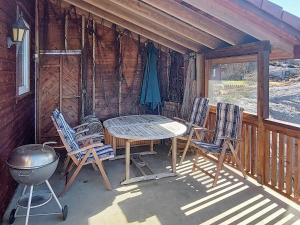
[
  {"x": 245, "y": 212},
  {"x": 209, "y": 197},
  {"x": 232, "y": 210},
  {"x": 285, "y": 219}
]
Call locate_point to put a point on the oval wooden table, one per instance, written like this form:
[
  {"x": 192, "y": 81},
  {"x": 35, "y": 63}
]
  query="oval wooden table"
[{"x": 145, "y": 127}]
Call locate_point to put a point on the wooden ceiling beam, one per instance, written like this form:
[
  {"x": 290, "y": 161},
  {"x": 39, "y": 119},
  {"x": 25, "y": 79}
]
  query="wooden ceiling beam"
[
  {"x": 99, "y": 14},
  {"x": 146, "y": 24},
  {"x": 198, "y": 21},
  {"x": 169, "y": 22},
  {"x": 239, "y": 20}
]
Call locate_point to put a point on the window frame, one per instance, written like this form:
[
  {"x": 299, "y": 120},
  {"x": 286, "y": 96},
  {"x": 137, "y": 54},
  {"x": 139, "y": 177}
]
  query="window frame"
[
  {"x": 23, "y": 62},
  {"x": 228, "y": 60}
]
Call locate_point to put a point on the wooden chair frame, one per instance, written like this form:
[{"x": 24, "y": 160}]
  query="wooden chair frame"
[
  {"x": 90, "y": 148},
  {"x": 191, "y": 135},
  {"x": 227, "y": 145}
]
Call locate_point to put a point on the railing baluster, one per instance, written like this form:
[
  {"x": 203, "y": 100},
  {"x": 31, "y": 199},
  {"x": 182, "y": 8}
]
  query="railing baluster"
[
  {"x": 289, "y": 166},
  {"x": 297, "y": 170},
  {"x": 267, "y": 163},
  {"x": 281, "y": 163},
  {"x": 253, "y": 150},
  {"x": 247, "y": 147},
  {"x": 274, "y": 159},
  {"x": 242, "y": 146}
]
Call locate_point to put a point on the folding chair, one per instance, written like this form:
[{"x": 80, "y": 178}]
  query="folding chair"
[
  {"x": 225, "y": 139},
  {"x": 87, "y": 153},
  {"x": 198, "y": 118}
]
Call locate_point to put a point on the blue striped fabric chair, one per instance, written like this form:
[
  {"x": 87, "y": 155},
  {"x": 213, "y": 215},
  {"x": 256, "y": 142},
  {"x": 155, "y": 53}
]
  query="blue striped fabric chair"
[
  {"x": 82, "y": 155},
  {"x": 86, "y": 128},
  {"x": 226, "y": 137},
  {"x": 198, "y": 118}
]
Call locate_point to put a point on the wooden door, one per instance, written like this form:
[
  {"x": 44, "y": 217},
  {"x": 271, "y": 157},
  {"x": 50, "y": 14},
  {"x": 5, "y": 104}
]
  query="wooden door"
[{"x": 58, "y": 87}]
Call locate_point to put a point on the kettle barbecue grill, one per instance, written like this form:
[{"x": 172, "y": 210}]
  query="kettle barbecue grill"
[{"x": 32, "y": 165}]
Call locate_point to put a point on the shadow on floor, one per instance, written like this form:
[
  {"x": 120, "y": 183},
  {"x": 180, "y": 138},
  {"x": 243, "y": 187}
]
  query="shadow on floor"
[{"x": 187, "y": 199}]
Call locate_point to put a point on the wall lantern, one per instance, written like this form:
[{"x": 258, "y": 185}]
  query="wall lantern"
[{"x": 18, "y": 30}]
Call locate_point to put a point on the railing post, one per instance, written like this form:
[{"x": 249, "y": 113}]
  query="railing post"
[
  {"x": 200, "y": 64},
  {"x": 262, "y": 110}
]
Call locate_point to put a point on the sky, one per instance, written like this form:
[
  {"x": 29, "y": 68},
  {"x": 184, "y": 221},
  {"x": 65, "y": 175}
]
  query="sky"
[{"x": 292, "y": 6}]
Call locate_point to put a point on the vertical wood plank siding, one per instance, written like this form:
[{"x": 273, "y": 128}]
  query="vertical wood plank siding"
[{"x": 16, "y": 115}]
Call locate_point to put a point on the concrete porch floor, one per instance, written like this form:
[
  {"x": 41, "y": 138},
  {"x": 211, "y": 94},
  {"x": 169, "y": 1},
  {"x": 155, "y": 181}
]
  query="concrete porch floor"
[{"x": 187, "y": 199}]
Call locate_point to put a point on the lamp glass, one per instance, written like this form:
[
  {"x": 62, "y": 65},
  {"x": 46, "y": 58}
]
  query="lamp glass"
[{"x": 19, "y": 28}]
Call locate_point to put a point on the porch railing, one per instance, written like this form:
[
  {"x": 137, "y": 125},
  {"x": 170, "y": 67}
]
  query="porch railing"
[{"x": 281, "y": 159}]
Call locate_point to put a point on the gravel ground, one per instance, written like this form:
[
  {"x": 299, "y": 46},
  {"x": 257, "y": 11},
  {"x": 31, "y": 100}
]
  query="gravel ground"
[{"x": 285, "y": 103}]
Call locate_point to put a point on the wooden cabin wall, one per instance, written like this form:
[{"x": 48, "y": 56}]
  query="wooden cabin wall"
[
  {"x": 106, "y": 96},
  {"x": 16, "y": 114}
]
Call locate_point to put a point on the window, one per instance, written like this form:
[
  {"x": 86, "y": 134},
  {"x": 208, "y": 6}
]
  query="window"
[
  {"x": 284, "y": 89},
  {"x": 233, "y": 82},
  {"x": 23, "y": 64}
]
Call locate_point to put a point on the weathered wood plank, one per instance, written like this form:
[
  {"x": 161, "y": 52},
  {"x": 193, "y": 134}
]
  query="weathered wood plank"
[
  {"x": 267, "y": 157},
  {"x": 288, "y": 163},
  {"x": 253, "y": 150},
  {"x": 281, "y": 162},
  {"x": 297, "y": 170},
  {"x": 247, "y": 149},
  {"x": 274, "y": 159}
]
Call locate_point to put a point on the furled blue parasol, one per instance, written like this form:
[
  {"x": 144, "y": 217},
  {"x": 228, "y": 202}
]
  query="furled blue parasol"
[{"x": 150, "y": 95}]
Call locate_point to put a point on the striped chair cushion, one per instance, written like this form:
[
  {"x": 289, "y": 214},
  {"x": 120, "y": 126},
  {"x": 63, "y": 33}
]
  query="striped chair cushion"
[
  {"x": 228, "y": 121},
  {"x": 199, "y": 112},
  {"x": 208, "y": 146},
  {"x": 103, "y": 152}
]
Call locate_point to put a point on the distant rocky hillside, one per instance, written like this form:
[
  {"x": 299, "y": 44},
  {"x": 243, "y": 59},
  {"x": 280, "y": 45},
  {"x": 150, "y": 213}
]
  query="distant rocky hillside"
[{"x": 284, "y": 70}]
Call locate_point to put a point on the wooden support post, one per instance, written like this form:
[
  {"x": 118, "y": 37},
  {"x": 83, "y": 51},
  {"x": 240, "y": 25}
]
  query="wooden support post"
[
  {"x": 60, "y": 82},
  {"x": 200, "y": 69},
  {"x": 66, "y": 31},
  {"x": 120, "y": 75},
  {"x": 36, "y": 68},
  {"x": 262, "y": 109},
  {"x": 81, "y": 77},
  {"x": 94, "y": 68}
]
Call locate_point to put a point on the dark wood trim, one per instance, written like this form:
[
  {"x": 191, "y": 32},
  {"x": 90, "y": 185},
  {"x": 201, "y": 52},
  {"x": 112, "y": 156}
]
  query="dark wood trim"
[
  {"x": 262, "y": 110},
  {"x": 239, "y": 50},
  {"x": 297, "y": 52},
  {"x": 263, "y": 84}
]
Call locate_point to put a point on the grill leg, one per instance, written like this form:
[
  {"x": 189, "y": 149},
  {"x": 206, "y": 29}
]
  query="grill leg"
[
  {"x": 23, "y": 193},
  {"x": 54, "y": 195},
  {"x": 28, "y": 204}
]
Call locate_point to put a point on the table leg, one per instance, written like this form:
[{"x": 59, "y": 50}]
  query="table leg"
[
  {"x": 127, "y": 160},
  {"x": 151, "y": 146},
  {"x": 174, "y": 153},
  {"x": 114, "y": 144}
]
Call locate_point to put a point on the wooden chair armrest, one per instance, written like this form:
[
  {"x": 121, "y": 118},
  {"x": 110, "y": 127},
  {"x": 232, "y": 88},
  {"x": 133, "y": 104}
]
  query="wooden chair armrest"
[
  {"x": 82, "y": 131},
  {"x": 200, "y": 128},
  {"x": 201, "y": 132},
  {"x": 179, "y": 119},
  {"x": 95, "y": 145},
  {"x": 86, "y": 137},
  {"x": 80, "y": 125},
  {"x": 229, "y": 139}
]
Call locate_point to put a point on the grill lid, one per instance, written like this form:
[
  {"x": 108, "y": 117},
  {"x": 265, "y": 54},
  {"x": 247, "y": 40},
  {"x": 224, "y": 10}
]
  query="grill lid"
[{"x": 31, "y": 156}]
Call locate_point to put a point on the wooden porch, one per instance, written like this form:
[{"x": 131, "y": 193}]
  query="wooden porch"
[
  {"x": 88, "y": 57},
  {"x": 186, "y": 199}
]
